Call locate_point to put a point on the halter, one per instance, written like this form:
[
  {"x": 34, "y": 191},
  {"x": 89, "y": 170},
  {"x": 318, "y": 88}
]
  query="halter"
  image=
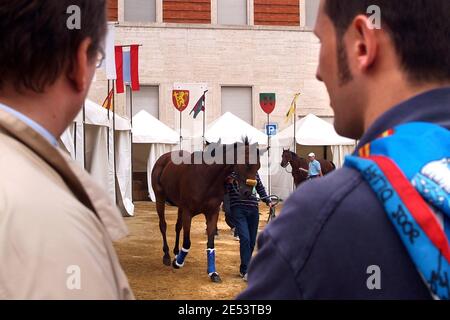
[
  {"x": 289, "y": 162},
  {"x": 235, "y": 183}
]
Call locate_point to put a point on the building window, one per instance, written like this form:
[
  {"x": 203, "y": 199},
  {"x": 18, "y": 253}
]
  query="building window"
[
  {"x": 147, "y": 99},
  {"x": 238, "y": 101},
  {"x": 232, "y": 12},
  {"x": 277, "y": 13},
  {"x": 140, "y": 10},
  {"x": 113, "y": 11},
  {"x": 176, "y": 11},
  {"x": 312, "y": 8}
]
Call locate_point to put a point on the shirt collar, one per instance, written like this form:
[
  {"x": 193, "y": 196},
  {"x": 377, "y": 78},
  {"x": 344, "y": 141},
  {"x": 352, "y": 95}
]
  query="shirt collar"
[
  {"x": 432, "y": 106},
  {"x": 31, "y": 123}
]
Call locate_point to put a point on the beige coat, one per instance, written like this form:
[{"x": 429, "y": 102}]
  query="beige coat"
[{"x": 56, "y": 225}]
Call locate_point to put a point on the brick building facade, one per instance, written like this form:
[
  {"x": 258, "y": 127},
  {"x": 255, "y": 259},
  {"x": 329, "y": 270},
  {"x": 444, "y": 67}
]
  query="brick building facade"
[{"x": 238, "y": 48}]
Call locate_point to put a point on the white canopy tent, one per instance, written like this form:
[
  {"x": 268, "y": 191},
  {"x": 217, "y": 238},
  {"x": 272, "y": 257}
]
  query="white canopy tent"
[
  {"x": 313, "y": 131},
  {"x": 310, "y": 131},
  {"x": 151, "y": 139},
  {"x": 230, "y": 129},
  {"x": 95, "y": 151},
  {"x": 124, "y": 175}
]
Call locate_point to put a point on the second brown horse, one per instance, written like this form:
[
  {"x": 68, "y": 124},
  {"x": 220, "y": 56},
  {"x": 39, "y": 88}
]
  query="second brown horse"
[{"x": 300, "y": 166}]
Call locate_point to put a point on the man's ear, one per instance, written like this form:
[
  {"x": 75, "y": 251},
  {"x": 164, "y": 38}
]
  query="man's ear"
[
  {"x": 365, "y": 43},
  {"x": 80, "y": 72}
]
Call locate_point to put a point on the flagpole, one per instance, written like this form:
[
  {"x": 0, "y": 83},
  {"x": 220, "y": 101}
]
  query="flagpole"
[
  {"x": 107, "y": 96},
  {"x": 131, "y": 155},
  {"x": 84, "y": 135},
  {"x": 268, "y": 156},
  {"x": 295, "y": 132},
  {"x": 204, "y": 118},
  {"x": 181, "y": 137},
  {"x": 204, "y": 142},
  {"x": 295, "y": 129},
  {"x": 107, "y": 132},
  {"x": 114, "y": 138},
  {"x": 75, "y": 140}
]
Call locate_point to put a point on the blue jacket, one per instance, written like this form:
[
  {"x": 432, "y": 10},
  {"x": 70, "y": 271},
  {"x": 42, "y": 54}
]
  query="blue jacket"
[{"x": 332, "y": 229}]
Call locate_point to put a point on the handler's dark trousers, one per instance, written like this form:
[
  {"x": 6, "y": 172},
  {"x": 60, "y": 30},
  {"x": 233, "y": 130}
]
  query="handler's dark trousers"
[
  {"x": 246, "y": 219},
  {"x": 227, "y": 209}
]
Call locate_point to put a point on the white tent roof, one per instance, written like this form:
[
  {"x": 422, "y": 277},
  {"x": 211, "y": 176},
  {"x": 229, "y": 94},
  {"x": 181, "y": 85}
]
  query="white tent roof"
[
  {"x": 148, "y": 129},
  {"x": 122, "y": 124},
  {"x": 313, "y": 131},
  {"x": 98, "y": 116},
  {"x": 231, "y": 129}
]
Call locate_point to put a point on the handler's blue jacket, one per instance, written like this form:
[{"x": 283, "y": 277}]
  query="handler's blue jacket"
[{"x": 331, "y": 230}]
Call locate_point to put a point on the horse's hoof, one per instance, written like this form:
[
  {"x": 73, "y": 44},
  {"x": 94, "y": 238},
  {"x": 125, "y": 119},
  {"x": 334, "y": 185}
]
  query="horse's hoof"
[
  {"x": 215, "y": 278},
  {"x": 174, "y": 264},
  {"x": 166, "y": 261}
]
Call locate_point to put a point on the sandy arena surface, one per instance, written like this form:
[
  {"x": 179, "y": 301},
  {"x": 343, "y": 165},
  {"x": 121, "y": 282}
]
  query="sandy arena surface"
[{"x": 141, "y": 257}]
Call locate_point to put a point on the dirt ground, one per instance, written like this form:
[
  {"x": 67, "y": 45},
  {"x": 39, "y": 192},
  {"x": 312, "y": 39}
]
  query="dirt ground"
[{"x": 141, "y": 257}]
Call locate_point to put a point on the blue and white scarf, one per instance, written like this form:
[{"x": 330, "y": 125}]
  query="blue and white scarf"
[{"x": 408, "y": 168}]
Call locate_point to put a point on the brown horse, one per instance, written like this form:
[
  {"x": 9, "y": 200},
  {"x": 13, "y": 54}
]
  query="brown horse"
[
  {"x": 300, "y": 166},
  {"x": 195, "y": 183}
]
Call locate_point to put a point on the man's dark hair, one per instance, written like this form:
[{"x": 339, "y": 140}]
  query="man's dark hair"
[
  {"x": 36, "y": 43},
  {"x": 420, "y": 30}
]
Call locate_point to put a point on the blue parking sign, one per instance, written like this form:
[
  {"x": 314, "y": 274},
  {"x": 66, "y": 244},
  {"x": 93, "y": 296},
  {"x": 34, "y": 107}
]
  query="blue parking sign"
[{"x": 271, "y": 129}]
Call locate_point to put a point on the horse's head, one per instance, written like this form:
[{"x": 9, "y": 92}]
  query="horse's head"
[
  {"x": 246, "y": 165},
  {"x": 286, "y": 157}
]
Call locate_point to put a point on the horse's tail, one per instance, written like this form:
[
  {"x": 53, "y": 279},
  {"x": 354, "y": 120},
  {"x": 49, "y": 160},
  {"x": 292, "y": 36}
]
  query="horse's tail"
[
  {"x": 156, "y": 174},
  {"x": 157, "y": 185},
  {"x": 160, "y": 204}
]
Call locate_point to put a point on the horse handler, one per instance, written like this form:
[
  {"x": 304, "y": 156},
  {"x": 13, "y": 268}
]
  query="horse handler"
[
  {"x": 245, "y": 216},
  {"x": 315, "y": 170}
]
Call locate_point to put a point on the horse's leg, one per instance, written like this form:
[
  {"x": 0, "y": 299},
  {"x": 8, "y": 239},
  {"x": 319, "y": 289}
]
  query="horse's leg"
[
  {"x": 178, "y": 228},
  {"x": 160, "y": 206},
  {"x": 211, "y": 221},
  {"x": 181, "y": 257}
]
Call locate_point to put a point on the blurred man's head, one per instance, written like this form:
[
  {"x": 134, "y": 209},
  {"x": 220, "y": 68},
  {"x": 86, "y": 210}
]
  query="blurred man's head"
[
  {"x": 311, "y": 156},
  {"x": 366, "y": 69},
  {"x": 45, "y": 57}
]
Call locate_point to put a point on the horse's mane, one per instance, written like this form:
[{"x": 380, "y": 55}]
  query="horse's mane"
[{"x": 294, "y": 155}]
